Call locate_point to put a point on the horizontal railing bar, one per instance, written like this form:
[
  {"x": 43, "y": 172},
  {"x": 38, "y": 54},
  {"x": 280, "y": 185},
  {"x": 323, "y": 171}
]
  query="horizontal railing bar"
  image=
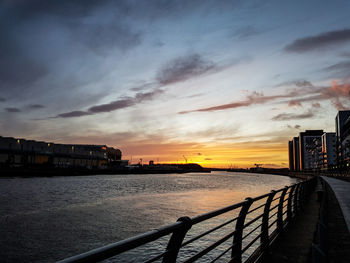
[
  {"x": 274, "y": 207},
  {"x": 223, "y": 253},
  {"x": 285, "y": 212},
  {"x": 252, "y": 221},
  {"x": 285, "y": 205},
  {"x": 116, "y": 248},
  {"x": 208, "y": 232},
  {"x": 260, "y": 197},
  {"x": 200, "y": 218},
  {"x": 256, "y": 208},
  {"x": 273, "y": 214},
  {"x": 273, "y": 223},
  {"x": 278, "y": 197},
  {"x": 210, "y": 248},
  {"x": 251, "y": 231},
  {"x": 251, "y": 243}
]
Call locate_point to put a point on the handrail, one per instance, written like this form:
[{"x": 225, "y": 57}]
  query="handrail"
[{"x": 261, "y": 229}]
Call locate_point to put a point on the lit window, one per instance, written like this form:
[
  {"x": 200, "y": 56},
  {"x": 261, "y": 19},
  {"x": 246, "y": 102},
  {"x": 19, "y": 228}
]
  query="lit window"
[{"x": 18, "y": 141}]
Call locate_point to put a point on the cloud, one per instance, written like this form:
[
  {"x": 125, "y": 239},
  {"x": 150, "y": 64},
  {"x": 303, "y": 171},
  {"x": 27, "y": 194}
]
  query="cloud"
[
  {"x": 2, "y": 99},
  {"x": 295, "y": 126},
  {"x": 298, "y": 83},
  {"x": 340, "y": 69},
  {"x": 114, "y": 105},
  {"x": 73, "y": 114},
  {"x": 337, "y": 94},
  {"x": 321, "y": 41},
  {"x": 12, "y": 109},
  {"x": 294, "y": 103},
  {"x": 35, "y": 106},
  {"x": 293, "y": 116},
  {"x": 208, "y": 159},
  {"x": 184, "y": 68},
  {"x": 251, "y": 99}
]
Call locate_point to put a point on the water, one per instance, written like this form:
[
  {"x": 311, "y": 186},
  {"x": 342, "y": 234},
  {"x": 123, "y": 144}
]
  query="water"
[{"x": 47, "y": 219}]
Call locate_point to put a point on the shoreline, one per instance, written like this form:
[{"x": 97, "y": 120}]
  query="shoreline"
[{"x": 29, "y": 172}]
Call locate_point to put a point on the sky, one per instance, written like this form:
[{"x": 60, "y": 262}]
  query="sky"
[{"x": 219, "y": 83}]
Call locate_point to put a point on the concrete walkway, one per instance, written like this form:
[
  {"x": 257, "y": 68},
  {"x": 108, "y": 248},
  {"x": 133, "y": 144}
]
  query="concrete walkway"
[
  {"x": 338, "y": 220},
  {"x": 341, "y": 190},
  {"x": 295, "y": 244}
]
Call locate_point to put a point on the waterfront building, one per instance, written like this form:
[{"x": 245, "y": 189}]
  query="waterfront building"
[
  {"x": 309, "y": 142},
  {"x": 21, "y": 152},
  {"x": 329, "y": 150},
  {"x": 341, "y": 138},
  {"x": 291, "y": 156},
  {"x": 296, "y": 154},
  {"x": 345, "y": 145}
]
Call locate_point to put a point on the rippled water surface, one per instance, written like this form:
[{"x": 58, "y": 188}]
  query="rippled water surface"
[{"x": 47, "y": 219}]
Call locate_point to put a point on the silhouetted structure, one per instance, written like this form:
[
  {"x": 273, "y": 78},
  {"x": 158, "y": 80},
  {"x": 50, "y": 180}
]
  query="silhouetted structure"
[
  {"x": 342, "y": 130},
  {"x": 296, "y": 154},
  {"x": 20, "y": 152},
  {"x": 291, "y": 155}
]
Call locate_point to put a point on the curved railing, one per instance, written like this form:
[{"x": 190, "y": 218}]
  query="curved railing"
[{"x": 254, "y": 225}]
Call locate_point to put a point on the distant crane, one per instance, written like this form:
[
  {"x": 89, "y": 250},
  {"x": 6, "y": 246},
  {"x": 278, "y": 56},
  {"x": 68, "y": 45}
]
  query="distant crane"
[{"x": 184, "y": 158}]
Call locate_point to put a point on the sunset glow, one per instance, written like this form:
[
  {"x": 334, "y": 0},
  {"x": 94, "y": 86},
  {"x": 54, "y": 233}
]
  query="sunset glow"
[{"x": 220, "y": 84}]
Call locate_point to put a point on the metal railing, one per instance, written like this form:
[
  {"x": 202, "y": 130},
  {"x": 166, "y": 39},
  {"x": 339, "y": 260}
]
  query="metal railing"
[{"x": 254, "y": 225}]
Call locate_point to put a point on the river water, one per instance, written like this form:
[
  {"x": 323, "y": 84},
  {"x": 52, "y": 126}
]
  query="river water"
[{"x": 47, "y": 219}]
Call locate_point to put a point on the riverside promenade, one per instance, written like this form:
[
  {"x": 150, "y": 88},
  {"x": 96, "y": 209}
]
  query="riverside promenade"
[{"x": 321, "y": 231}]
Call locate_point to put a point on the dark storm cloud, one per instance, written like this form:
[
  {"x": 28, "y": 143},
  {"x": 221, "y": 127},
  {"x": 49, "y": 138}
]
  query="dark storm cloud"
[
  {"x": 293, "y": 116},
  {"x": 184, "y": 68},
  {"x": 12, "y": 109},
  {"x": 323, "y": 40},
  {"x": 114, "y": 105}
]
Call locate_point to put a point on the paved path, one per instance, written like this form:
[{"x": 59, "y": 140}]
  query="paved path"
[
  {"x": 294, "y": 246},
  {"x": 341, "y": 190},
  {"x": 337, "y": 220}
]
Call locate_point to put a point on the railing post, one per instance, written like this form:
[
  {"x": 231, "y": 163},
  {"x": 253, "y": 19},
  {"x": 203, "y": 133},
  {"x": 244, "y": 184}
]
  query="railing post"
[
  {"x": 280, "y": 210},
  {"x": 300, "y": 199},
  {"x": 290, "y": 200},
  {"x": 295, "y": 200},
  {"x": 236, "y": 254},
  {"x": 176, "y": 239},
  {"x": 264, "y": 238}
]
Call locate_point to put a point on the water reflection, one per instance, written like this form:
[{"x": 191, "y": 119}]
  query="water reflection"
[{"x": 46, "y": 219}]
